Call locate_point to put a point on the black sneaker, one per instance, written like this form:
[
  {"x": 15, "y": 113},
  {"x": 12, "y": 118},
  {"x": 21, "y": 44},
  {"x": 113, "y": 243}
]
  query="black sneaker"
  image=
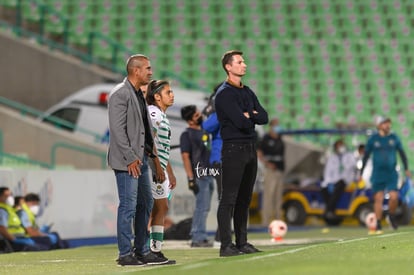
[
  {"x": 161, "y": 255},
  {"x": 230, "y": 250},
  {"x": 205, "y": 243},
  {"x": 151, "y": 259},
  {"x": 248, "y": 248},
  {"x": 391, "y": 221},
  {"x": 128, "y": 260}
]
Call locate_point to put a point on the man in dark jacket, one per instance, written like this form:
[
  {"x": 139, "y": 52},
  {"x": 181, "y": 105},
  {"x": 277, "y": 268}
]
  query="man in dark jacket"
[{"x": 238, "y": 111}]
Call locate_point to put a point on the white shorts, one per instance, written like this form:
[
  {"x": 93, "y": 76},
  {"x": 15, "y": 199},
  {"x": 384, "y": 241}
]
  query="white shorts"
[{"x": 161, "y": 190}]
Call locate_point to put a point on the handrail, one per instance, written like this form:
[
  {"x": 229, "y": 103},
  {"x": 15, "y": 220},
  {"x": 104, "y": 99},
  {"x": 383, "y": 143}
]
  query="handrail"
[
  {"x": 82, "y": 149},
  {"x": 25, "y": 160},
  {"x": 4, "y": 155}
]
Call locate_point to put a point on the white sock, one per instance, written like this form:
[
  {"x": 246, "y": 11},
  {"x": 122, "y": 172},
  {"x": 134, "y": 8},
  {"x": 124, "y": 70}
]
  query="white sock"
[{"x": 156, "y": 237}]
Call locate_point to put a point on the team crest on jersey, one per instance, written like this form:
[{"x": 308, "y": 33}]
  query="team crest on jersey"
[
  {"x": 159, "y": 190},
  {"x": 392, "y": 142}
]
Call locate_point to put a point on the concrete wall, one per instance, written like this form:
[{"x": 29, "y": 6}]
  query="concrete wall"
[
  {"x": 40, "y": 77},
  {"x": 22, "y": 134}
]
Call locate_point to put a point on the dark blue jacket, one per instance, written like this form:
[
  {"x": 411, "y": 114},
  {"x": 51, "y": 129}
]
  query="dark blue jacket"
[{"x": 212, "y": 126}]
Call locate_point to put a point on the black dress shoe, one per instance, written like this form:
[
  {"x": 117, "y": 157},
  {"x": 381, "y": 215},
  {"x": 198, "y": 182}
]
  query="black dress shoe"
[
  {"x": 248, "y": 248},
  {"x": 230, "y": 250}
]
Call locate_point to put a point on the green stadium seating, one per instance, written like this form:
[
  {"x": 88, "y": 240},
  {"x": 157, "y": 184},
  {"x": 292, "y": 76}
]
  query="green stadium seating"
[{"x": 313, "y": 62}]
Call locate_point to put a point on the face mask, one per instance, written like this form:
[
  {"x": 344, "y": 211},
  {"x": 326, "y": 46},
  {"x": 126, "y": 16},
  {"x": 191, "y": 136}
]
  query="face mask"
[
  {"x": 277, "y": 129},
  {"x": 200, "y": 120},
  {"x": 342, "y": 149},
  {"x": 10, "y": 201},
  {"x": 35, "y": 209}
]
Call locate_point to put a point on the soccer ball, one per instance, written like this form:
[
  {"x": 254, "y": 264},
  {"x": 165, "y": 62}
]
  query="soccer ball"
[
  {"x": 277, "y": 229},
  {"x": 371, "y": 221}
]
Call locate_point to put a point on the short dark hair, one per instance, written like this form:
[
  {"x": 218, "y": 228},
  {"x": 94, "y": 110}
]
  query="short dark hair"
[
  {"x": 17, "y": 201},
  {"x": 135, "y": 60},
  {"x": 154, "y": 87},
  {"x": 337, "y": 142},
  {"x": 188, "y": 111},
  {"x": 228, "y": 57},
  {"x": 3, "y": 189},
  {"x": 32, "y": 197}
]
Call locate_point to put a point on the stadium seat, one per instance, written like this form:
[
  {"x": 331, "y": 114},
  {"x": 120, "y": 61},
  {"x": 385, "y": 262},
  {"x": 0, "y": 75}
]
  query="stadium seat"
[{"x": 353, "y": 49}]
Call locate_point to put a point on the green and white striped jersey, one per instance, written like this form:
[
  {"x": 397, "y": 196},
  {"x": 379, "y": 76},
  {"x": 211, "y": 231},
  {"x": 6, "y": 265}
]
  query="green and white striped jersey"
[{"x": 162, "y": 134}]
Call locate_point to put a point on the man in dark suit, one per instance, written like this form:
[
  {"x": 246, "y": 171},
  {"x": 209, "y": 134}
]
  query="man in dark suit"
[{"x": 130, "y": 144}]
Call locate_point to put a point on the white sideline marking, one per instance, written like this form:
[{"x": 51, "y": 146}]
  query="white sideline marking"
[
  {"x": 281, "y": 253},
  {"x": 316, "y": 245},
  {"x": 192, "y": 266},
  {"x": 53, "y": 261},
  {"x": 352, "y": 240},
  {"x": 391, "y": 234}
]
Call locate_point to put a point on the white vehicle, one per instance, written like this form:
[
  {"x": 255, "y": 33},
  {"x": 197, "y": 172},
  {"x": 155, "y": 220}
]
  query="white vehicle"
[{"x": 85, "y": 112}]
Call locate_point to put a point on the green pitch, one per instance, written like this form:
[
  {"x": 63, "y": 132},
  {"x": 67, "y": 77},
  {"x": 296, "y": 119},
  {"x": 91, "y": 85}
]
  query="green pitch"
[{"x": 342, "y": 250}]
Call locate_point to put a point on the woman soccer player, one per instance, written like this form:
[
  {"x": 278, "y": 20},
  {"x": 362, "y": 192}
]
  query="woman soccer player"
[{"x": 159, "y": 98}]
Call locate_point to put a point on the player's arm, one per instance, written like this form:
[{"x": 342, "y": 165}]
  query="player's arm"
[{"x": 404, "y": 159}]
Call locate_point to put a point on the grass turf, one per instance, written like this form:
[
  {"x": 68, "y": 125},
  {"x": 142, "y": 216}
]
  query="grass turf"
[{"x": 342, "y": 250}]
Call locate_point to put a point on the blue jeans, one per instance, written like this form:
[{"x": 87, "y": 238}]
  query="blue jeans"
[
  {"x": 135, "y": 202},
  {"x": 202, "y": 207},
  {"x": 145, "y": 202}
]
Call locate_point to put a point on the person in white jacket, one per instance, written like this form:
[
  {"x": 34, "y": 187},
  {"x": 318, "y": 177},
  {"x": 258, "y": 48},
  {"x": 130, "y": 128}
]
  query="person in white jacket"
[{"x": 339, "y": 172}]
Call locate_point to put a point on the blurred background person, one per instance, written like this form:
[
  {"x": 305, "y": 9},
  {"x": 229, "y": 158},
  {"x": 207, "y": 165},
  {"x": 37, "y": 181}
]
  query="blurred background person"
[
  {"x": 271, "y": 152},
  {"x": 383, "y": 146},
  {"x": 212, "y": 126},
  {"x": 11, "y": 228},
  {"x": 368, "y": 167},
  {"x": 195, "y": 153},
  {"x": 339, "y": 171},
  {"x": 28, "y": 210}
]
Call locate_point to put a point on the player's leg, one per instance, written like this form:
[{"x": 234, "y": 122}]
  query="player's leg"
[
  {"x": 157, "y": 224},
  {"x": 393, "y": 204},
  {"x": 160, "y": 193},
  {"x": 378, "y": 200}
]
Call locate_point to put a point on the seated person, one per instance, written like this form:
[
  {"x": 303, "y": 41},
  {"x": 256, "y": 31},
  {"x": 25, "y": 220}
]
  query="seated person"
[
  {"x": 27, "y": 212},
  {"x": 338, "y": 173},
  {"x": 11, "y": 227}
]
